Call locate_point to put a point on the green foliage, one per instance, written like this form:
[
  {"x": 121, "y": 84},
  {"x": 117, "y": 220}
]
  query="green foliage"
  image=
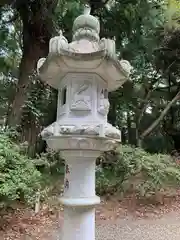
[
  {"x": 50, "y": 163},
  {"x": 133, "y": 169},
  {"x": 157, "y": 143},
  {"x": 19, "y": 179}
]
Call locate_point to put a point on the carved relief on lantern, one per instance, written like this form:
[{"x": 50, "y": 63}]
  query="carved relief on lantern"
[
  {"x": 81, "y": 95},
  {"x": 67, "y": 169},
  {"x": 66, "y": 180},
  {"x": 103, "y": 102},
  {"x": 66, "y": 184}
]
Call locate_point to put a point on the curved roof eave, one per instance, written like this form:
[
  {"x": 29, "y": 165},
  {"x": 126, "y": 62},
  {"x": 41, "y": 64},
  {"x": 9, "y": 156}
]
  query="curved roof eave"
[{"x": 84, "y": 57}]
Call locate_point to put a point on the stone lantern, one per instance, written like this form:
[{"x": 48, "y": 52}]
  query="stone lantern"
[{"x": 83, "y": 72}]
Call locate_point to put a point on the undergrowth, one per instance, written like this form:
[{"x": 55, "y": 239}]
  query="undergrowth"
[
  {"x": 132, "y": 170},
  {"x": 124, "y": 170},
  {"x": 19, "y": 178}
]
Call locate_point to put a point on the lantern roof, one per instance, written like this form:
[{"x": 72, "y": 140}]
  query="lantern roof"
[{"x": 87, "y": 53}]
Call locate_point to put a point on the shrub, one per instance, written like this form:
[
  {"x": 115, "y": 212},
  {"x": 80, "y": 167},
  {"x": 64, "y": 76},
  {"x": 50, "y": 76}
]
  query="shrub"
[
  {"x": 133, "y": 169},
  {"x": 19, "y": 179},
  {"x": 50, "y": 162}
]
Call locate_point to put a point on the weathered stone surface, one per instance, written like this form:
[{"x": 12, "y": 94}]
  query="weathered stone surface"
[{"x": 56, "y": 129}]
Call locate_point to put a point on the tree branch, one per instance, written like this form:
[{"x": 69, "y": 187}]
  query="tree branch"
[
  {"x": 162, "y": 49},
  {"x": 160, "y": 118},
  {"x": 147, "y": 95}
]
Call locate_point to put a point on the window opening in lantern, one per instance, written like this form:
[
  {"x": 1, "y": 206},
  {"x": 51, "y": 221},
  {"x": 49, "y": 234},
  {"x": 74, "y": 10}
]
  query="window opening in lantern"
[
  {"x": 105, "y": 93},
  {"x": 64, "y": 92}
]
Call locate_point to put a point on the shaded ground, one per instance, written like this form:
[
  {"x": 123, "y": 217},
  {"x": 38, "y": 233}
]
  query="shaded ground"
[{"x": 114, "y": 220}]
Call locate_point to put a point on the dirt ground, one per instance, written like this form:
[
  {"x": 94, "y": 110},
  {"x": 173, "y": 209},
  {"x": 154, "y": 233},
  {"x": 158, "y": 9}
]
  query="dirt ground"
[{"x": 23, "y": 224}]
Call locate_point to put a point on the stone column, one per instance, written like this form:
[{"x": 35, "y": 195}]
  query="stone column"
[{"x": 79, "y": 198}]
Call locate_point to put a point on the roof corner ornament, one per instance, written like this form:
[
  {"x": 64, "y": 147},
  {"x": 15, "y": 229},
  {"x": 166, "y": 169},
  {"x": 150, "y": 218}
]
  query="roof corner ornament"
[
  {"x": 126, "y": 66},
  {"x": 40, "y": 63},
  {"x": 109, "y": 46},
  {"x": 58, "y": 43}
]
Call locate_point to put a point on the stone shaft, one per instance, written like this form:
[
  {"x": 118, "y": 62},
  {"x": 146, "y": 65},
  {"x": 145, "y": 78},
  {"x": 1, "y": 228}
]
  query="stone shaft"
[
  {"x": 79, "y": 224},
  {"x": 79, "y": 197}
]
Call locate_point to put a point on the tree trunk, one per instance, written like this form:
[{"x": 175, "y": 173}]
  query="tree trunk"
[
  {"x": 38, "y": 27},
  {"x": 27, "y": 66},
  {"x": 160, "y": 118},
  {"x": 129, "y": 130}
]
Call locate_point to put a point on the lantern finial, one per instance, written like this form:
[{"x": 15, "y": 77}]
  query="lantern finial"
[
  {"x": 86, "y": 26},
  {"x": 87, "y": 10}
]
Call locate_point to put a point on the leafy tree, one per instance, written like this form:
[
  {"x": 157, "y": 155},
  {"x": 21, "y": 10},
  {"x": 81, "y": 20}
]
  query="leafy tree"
[{"x": 37, "y": 29}]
